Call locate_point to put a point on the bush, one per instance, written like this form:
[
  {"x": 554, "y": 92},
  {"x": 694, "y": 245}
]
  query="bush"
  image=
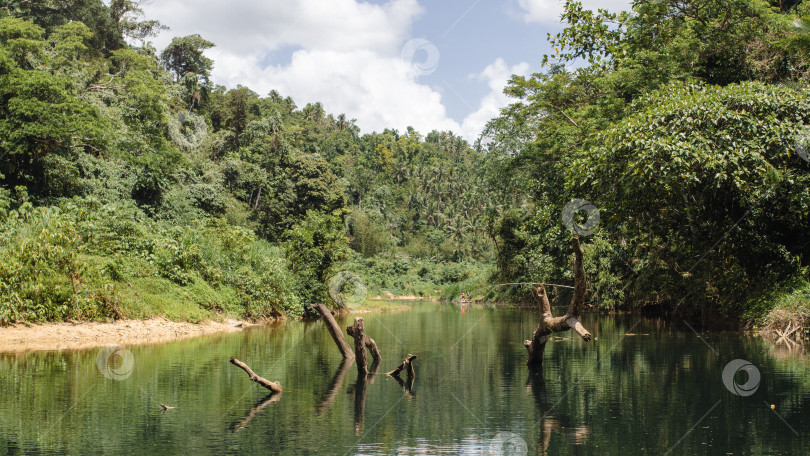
[
  {"x": 79, "y": 260},
  {"x": 695, "y": 165}
]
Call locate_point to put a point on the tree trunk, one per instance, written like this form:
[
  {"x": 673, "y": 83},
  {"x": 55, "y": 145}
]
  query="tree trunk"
[
  {"x": 256, "y": 206},
  {"x": 371, "y": 346},
  {"x": 272, "y": 386},
  {"x": 358, "y": 333},
  {"x": 550, "y": 324},
  {"x": 335, "y": 331}
]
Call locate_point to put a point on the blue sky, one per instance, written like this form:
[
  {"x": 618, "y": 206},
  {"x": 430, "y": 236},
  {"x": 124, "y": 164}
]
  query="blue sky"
[{"x": 370, "y": 59}]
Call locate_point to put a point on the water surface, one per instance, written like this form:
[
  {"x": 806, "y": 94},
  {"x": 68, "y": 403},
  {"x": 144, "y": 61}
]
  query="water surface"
[{"x": 641, "y": 387}]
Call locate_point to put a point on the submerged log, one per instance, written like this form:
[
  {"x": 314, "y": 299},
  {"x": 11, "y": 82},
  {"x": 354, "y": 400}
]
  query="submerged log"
[
  {"x": 334, "y": 330},
  {"x": 272, "y": 386},
  {"x": 550, "y": 324},
  {"x": 406, "y": 365}
]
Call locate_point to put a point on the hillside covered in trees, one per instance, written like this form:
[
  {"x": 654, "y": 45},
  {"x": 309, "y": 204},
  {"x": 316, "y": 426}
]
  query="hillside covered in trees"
[{"x": 132, "y": 185}]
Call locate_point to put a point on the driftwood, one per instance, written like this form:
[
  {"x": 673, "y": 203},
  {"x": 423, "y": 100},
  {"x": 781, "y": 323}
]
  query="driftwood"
[
  {"x": 406, "y": 365},
  {"x": 275, "y": 387},
  {"x": 359, "y": 334},
  {"x": 788, "y": 332},
  {"x": 550, "y": 324},
  {"x": 334, "y": 330}
]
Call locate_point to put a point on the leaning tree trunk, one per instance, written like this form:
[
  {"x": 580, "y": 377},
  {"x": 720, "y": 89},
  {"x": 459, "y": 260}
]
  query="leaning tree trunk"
[
  {"x": 335, "y": 331},
  {"x": 550, "y": 324}
]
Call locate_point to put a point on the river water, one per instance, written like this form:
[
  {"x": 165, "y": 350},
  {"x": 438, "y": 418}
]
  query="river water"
[{"x": 641, "y": 387}]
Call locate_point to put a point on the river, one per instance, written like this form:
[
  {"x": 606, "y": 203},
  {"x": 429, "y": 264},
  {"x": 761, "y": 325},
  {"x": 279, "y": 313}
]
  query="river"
[{"x": 641, "y": 387}]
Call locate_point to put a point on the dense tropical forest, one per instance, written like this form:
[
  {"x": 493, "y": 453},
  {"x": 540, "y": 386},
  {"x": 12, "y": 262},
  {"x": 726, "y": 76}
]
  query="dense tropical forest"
[{"x": 133, "y": 185}]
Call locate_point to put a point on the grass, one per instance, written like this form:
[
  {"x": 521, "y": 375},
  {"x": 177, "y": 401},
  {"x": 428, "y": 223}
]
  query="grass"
[
  {"x": 791, "y": 307},
  {"x": 199, "y": 301}
]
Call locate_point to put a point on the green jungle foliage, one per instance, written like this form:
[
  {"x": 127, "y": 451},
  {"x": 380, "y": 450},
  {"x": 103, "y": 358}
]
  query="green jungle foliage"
[
  {"x": 686, "y": 130},
  {"x": 131, "y": 185}
]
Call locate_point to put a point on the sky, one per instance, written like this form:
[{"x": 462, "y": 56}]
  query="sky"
[{"x": 429, "y": 64}]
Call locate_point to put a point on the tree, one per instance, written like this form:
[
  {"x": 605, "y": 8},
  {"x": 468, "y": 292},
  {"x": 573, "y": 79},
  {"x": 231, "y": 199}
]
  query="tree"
[
  {"x": 698, "y": 164},
  {"x": 369, "y": 235},
  {"x": 185, "y": 56},
  {"x": 313, "y": 248},
  {"x": 43, "y": 123},
  {"x": 126, "y": 14},
  {"x": 539, "y": 146}
]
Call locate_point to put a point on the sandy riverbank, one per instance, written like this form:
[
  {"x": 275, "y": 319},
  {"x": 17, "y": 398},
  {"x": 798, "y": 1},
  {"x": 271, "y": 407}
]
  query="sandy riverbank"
[{"x": 82, "y": 335}]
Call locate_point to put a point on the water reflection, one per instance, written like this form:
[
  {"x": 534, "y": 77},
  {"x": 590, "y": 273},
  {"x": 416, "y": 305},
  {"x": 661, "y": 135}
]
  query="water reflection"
[
  {"x": 256, "y": 409},
  {"x": 575, "y": 434},
  {"x": 335, "y": 385},
  {"x": 637, "y": 394}
]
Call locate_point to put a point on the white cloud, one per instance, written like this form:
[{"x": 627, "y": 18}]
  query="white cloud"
[
  {"x": 247, "y": 26},
  {"x": 379, "y": 91},
  {"x": 496, "y": 75},
  {"x": 348, "y": 57},
  {"x": 546, "y": 11}
]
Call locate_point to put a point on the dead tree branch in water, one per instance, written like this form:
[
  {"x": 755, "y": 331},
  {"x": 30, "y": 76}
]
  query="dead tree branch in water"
[
  {"x": 334, "y": 330},
  {"x": 550, "y": 324},
  {"x": 272, "y": 386},
  {"x": 361, "y": 342},
  {"x": 406, "y": 365}
]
